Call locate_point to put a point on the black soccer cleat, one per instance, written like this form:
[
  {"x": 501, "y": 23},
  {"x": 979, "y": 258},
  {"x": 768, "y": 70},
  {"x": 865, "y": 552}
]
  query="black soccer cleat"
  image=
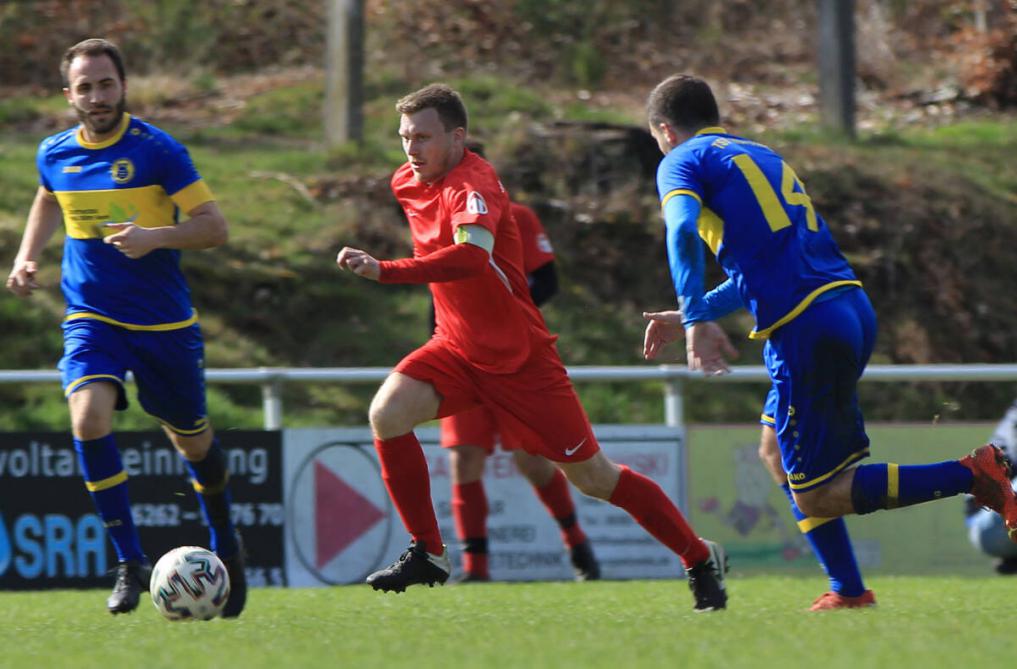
[
  {"x": 235, "y": 567},
  {"x": 415, "y": 566},
  {"x": 132, "y": 580},
  {"x": 706, "y": 580},
  {"x": 584, "y": 562}
]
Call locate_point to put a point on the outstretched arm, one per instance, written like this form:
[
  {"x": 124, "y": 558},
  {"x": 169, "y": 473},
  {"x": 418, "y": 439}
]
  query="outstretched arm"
[
  {"x": 43, "y": 220},
  {"x": 467, "y": 257}
]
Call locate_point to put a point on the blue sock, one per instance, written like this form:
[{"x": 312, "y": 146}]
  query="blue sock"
[
  {"x": 106, "y": 481},
  {"x": 211, "y": 481},
  {"x": 832, "y": 546},
  {"x": 888, "y": 486}
]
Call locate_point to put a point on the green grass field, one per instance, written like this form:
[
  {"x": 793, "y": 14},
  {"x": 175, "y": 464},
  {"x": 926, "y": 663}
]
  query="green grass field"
[{"x": 920, "y": 622}]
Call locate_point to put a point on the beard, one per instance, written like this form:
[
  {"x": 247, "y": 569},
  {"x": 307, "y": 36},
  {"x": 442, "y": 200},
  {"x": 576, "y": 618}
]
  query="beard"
[{"x": 102, "y": 127}]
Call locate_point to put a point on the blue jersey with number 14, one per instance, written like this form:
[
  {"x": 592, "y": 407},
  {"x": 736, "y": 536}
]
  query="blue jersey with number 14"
[{"x": 759, "y": 222}]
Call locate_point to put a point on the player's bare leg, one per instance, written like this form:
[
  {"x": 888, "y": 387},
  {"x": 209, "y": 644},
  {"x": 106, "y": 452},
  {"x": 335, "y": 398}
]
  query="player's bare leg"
[
  {"x": 401, "y": 404},
  {"x": 91, "y": 407},
  {"x": 705, "y": 562},
  {"x": 552, "y": 488}
]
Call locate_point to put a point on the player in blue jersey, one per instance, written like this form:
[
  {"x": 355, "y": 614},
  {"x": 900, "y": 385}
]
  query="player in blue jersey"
[
  {"x": 119, "y": 185},
  {"x": 783, "y": 265}
]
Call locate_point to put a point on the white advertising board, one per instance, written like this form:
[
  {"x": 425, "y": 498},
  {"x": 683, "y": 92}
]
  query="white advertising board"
[{"x": 341, "y": 525}]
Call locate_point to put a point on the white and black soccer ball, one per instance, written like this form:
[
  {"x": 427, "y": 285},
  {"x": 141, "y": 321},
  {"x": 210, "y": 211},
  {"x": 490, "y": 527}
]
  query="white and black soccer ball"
[{"x": 189, "y": 583}]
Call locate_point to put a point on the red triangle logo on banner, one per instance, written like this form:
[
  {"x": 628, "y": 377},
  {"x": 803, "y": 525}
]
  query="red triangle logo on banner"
[{"x": 341, "y": 514}]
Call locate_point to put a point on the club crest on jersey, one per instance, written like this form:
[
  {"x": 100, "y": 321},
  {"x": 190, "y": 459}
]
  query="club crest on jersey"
[
  {"x": 122, "y": 171},
  {"x": 475, "y": 203}
]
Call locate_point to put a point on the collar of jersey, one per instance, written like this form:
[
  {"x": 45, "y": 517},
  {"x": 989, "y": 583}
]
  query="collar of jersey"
[
  {"x": 126, "y": 121},
  {"x": 713, "y": 130}
]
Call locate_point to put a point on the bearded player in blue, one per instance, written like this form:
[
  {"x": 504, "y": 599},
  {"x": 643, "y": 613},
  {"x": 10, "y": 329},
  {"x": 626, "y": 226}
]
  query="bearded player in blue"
[
  {"x": 783, "y": 265},
  {"x": 118, "y": 185}
]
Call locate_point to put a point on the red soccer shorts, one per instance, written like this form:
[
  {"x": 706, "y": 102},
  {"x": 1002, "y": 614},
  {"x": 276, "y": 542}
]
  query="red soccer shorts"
[
  {"x": 536, "y": 404},
  {"x": 477, "y": 427}
]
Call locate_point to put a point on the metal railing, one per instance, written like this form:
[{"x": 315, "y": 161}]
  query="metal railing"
[{"x": 272, "y": 379}]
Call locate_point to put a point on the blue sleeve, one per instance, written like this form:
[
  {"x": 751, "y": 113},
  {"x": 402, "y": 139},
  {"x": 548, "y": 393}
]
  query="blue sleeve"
[
  {"x": 685, "y": 256},
  {"x": 722, "y": 300},
  {"x": 177, "y": 169}
]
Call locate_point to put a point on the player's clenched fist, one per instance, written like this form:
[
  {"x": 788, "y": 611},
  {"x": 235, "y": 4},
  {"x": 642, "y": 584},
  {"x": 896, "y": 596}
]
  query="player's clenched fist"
[
  {"x": 359, "y": 262},
  {"x": 21, "y": 281}
]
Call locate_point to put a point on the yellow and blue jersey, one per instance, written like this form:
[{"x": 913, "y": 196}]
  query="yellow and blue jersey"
[
  {"x": 754, "y": 214},
  {"x": 143, "y": 176}
]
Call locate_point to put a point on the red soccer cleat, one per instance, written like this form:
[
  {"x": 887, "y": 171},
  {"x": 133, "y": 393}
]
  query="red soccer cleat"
[
  {"x": 991, "y": 487},
  {"x": 832, "y": 600}
]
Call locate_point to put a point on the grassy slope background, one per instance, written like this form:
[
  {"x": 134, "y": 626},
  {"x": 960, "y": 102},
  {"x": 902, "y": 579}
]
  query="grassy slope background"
[{"x": 924, "y": 210}]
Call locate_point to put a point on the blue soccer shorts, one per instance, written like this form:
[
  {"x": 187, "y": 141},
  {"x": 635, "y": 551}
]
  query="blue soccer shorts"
[
  {"x": 815, "y": 362},
  {"x": 168, "y": 368}
]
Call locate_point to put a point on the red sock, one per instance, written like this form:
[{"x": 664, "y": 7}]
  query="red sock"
[
  {"x": 404, "y": 470},
  {"x": 558, "y": 499},
  {"x": 647, "y": 503},
  {"x": 469, "y": 510}
]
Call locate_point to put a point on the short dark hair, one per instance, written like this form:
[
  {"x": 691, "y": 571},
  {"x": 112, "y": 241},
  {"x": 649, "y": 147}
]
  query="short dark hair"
[
  {"x": 94, "y": 46},
  {"x": 443, "y": 99},
  {"x": 684, "y": 101}
]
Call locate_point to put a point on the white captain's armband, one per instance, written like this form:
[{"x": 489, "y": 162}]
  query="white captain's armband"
[{"x": 477, "y": 235}]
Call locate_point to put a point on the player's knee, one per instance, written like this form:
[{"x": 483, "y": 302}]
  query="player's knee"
[
  {"x": 193, "y": 448},
  {"x": 384, "y": 420},
  {"x": 89, "y": 425},
  {"x": 592, "y": 486},
  {"x": 596, "y": 480},
  {"x": 812, "y": 504}
]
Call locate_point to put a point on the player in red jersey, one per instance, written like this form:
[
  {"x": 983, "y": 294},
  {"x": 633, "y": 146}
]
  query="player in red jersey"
[
  {"x": 471, "y": 437},
  {"x": 490, "y": 348}
]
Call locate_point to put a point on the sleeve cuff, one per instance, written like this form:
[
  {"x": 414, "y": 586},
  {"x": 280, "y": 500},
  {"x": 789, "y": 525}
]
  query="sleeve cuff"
[{"x": 189, "y": 197}]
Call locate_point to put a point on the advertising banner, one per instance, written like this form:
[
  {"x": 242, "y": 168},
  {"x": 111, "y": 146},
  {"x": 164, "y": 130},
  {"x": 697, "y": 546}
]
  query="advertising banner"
[
  {"x": 341, "y": 526},
  {"x": 51, "y": 537},
  {"x": 732, "y": 499}
]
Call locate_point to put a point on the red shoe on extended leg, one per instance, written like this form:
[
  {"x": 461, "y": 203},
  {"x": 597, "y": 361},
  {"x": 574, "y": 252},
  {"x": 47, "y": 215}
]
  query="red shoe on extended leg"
[
  {"x": 832, "y": 600},
  {"x": 991, "y": 487}
]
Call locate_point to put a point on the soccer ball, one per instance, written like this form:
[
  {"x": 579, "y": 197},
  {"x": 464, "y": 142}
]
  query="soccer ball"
[{"x": 188, "y": 583}]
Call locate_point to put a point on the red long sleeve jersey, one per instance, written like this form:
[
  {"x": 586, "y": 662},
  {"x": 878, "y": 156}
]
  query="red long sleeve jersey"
[{"x": 487, "y": 318}]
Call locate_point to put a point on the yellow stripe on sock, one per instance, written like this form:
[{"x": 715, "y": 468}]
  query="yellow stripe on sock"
[
  {"x": 806, "y": 525},
  {"x": 107, "y": 483},
  {"x": 892, "y": 485}
]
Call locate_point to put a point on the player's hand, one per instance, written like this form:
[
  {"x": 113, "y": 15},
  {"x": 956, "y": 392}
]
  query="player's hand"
[
  {"x": 132, "y": 241},
  {"x": 662, "y": 328},
  {"x": 359, "y": 262},
  {"x": 708, "y": 348},
  {"x": 21, "y": 280}
]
